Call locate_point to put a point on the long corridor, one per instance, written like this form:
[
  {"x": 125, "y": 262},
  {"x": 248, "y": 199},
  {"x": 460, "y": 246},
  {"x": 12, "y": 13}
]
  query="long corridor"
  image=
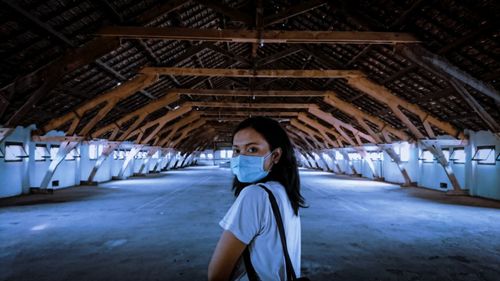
[{"x": 165, "y": 227}]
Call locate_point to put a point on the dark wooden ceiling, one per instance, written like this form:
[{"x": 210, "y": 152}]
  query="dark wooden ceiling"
[{"x": 53, "y": 61}]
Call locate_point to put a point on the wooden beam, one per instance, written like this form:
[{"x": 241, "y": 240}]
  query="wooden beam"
[
  {"x": 424, "y": 57},
  {"x": 250, "y": 113},
  {"x": 261, "y": 73},
  {"x": 253, "y": 36},
  {"x": 248, "y": 93},
  {"x": 110, "y": 99},
  {"x": 327, "y": 143},
  {"x": 73, "y": 59},
  {"x": 194, "y": 115},
  {"x": 251, "y": 105},
  {"x": 140, "y": 114},
  {"x": 338, "y": 125},
  {"x": 490, "y": 122},
  {"x": 384, "y": 95},
  {"x": 322, "y": 130},
  {"x": 332, "y": 99},
  {"x": 161, "y": 122},
  {"x": 185, "y": 132}
]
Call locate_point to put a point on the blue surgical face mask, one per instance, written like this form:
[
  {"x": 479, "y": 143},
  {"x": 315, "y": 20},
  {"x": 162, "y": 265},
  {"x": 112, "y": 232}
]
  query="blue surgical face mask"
[{"x": 249, "y": 169}]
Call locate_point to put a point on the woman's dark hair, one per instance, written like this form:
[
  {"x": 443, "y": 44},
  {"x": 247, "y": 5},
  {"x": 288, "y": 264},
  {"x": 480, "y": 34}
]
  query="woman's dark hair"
[{"x": 285, "y": 171}]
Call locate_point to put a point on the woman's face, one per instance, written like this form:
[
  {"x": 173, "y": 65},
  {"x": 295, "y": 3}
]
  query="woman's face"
[{"x": 249, "y": 142}]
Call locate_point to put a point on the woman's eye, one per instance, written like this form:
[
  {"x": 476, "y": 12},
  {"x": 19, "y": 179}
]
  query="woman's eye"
[
  {"x": 252, "y": 150},
  {"x": 236, "y": 151}
]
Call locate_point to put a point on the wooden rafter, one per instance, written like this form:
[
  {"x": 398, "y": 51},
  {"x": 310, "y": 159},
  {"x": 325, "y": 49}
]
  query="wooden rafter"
[
  {"x": 311, "y": 132},
  {"x": 184, "y": 133},
  {"x": 109, "y": 99},
  {"x": 322, "y": 130},
  {"x": 261, "y": 73},
  {"x": 251, "y": 105},
  {"x": 75, "y": 58},
  {"x": 245, "y": 93},
  {"x": 339, "y": 125},
  {"x": 253, "y": 36},
  {"x": 385, "y": 96},
  {"x": 140, "y": 114},
  {"x": 360, "y": 116},
  {"x": 162, "y": 140}
]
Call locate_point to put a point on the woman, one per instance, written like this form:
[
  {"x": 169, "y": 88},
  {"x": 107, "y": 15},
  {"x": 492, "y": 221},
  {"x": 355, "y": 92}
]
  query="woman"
[{"x": 262, "y": 153}]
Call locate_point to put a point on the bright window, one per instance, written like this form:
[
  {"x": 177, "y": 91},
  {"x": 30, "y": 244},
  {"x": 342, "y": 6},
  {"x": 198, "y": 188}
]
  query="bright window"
[
  {"x": 339, "y": 156},
  {"x": 14, "y": 151},
  {"x": 203, "y": 156},
  {"x": 376, "y": 156},
  {"x": 210, "y": 156},
  {"x": 93, "y": 151},
  {"x": 41, "y": 152},
  {"x": 485, "y": 155},
  {"x": 72, "y": 155},
  {"x": 156, "y": 155},
  {"x": 426, "y": 156},
  {"x": 222, "y": 154},
  {"x": 458, "y": 156},
  {"x": 229, "y": 153},
  {"x": 53, "y": 151},
  {"x": 446, "y": 153},
  {"x": 354, "y": 156}
]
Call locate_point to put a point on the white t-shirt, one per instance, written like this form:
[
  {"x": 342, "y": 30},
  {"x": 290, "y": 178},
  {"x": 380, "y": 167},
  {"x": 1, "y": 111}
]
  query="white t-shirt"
[{"x": 251, "y": 220}]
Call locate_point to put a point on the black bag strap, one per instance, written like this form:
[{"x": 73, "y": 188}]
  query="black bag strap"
[{"x": 251, "y": 273}]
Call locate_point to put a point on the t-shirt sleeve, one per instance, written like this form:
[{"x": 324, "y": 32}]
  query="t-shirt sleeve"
[{"x": 245, "y": 218}]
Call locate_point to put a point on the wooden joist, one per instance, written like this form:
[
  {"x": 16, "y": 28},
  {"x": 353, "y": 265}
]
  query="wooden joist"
[{"x": 254, "y": 36}]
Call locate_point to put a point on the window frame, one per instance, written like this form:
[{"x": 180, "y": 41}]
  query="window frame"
[
  {"x": 454, "y": 160},
  {"x": 47, "y": 152},
  {"x": 2, "y": 154},
  {"x": 425, "y": 160},
  {"x": 19, "y": 158},
  {"x": 481, "y": 161}
]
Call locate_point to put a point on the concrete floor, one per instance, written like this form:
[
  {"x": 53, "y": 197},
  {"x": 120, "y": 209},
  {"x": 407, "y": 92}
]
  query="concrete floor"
[{"x": 165, "y": 227}]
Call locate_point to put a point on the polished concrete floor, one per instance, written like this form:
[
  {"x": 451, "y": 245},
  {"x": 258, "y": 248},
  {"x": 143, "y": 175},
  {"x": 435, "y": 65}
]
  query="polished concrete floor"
[{"x": 165, "y": 227}]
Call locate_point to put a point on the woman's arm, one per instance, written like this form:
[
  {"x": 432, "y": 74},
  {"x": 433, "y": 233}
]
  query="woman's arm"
[{"x": 225, "y": 256}]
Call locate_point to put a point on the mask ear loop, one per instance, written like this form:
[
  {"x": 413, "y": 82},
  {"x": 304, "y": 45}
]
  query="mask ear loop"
[{"x": 272, "y": 162}]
